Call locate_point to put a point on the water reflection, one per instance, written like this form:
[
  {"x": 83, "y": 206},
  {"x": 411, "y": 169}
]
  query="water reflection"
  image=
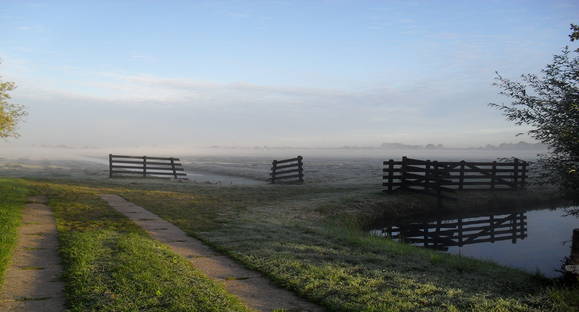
[
  {"x": 534, "y": 241},
  {"x": 442, "y": 234}
]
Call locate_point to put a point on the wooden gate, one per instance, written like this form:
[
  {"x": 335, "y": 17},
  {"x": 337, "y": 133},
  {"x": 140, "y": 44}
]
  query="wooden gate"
[
  {"x": 120, "y": 165},
  {"x": 434, "y": 177},
  {"x": 287, "y": 169}
]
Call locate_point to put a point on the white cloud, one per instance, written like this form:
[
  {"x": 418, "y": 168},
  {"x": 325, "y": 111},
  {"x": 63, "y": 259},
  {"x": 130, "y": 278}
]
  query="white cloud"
[{"x": 145, "y": 109}]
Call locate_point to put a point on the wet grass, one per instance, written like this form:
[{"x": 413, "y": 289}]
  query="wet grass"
[
  {"x": 309, "y": 246},
  {"x": 12, "y": 199},
  {"x": 310, "y": 240},
  {"x": 110, "y": 264}
]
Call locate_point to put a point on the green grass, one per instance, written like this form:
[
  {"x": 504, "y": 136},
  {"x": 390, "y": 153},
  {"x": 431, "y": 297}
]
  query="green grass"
[
  {"x": 12, "y": 199},
  {"x": 309, "y": 240},
  {"x": 340, "y": 266},
  {"x": 110, "y": 264}
]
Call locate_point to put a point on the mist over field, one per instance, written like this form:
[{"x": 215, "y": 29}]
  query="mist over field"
[
  {"x": 247, "y": 165},
  {"x": 63, "y": 152},
  {"x": 289, "y": 155},
  {"x": 279, "y": 73}
]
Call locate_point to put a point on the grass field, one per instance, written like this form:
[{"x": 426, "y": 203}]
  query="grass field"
[
  {"x": 112, "y": 265},
  {"x": 12, "y": 199},
  {"x": 309, "y": 240},
  {"x": 340, "y": 266}
]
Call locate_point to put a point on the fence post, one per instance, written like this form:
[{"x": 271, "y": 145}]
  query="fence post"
[
  {"x": 110, "y": 165},
  {"x": 492, "y": 226},
  {"x": 427, "y": 175},
  {"x": 460, "y": 232},
  {"x": 390, "y": 174},
  {"x": 173, "y": 167},
  {"x": 144, "y": 166},
  {"x": 403, "y": 173},
  {"x": 524, "y": 174},
  {"x": 424, "y": 228},
  {"x": 493, "y": 174},
  {"x": 436, "y": 239},
  {"x": 300, "y": 169},
  {"x": 437, "y": 181},
  {"x": 273, "y": 170},
  {"x": 461, "y": 177},
  {"x": 516, "y": 174},
  {"x": 521, "y": 225},
  {"x": 514, "y": 230}
]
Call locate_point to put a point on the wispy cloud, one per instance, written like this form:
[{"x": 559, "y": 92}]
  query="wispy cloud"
[
  {"x": 142, "y": 57},
  {"x": 248, "y": 113}
]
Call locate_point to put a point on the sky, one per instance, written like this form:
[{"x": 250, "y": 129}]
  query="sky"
[{"x": 277, "y": 73}]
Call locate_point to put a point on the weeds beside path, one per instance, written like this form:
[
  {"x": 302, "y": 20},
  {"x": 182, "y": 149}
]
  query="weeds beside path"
[{"x": 12, "y": 200}]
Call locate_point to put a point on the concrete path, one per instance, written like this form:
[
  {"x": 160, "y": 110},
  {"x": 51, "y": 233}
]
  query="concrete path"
[
  {"x": 32, "y": 281},
  {"x": 251, "y": 287}
]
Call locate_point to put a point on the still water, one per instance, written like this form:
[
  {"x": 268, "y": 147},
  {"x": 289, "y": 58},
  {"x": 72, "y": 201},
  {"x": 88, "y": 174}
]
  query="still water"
[{"x": 534, "y": 241}]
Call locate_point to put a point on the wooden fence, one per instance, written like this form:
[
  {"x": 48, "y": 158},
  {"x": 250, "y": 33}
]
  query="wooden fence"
[
  {"x": 460, "y": 232},
  {"x": 435, "y": 177},
  {"x": 287, "y": 169},
  {"x": 145, "y": 166}
]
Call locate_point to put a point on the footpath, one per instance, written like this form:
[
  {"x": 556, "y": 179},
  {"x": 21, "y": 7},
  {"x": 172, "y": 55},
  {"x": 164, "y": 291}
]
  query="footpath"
[
  {"x": 256, "y": 291},
  {"x": 33, "y": 278}
]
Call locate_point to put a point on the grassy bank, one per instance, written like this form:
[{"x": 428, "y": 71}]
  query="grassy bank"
[
  {"x": 307, "y": 240},
  {"x": 343, "y": 268},
  {"x": 12, "y": 199},
  {"x": 110, "y": 264}
]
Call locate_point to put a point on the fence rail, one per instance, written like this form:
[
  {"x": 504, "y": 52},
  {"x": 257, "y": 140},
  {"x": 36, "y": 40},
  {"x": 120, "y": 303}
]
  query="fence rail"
[
  {"x": 435, "y": 177},
  {"x": 290, "y": 170},
  {"x": 120, "y": 165},
  {"x": 460, "y": 232}
]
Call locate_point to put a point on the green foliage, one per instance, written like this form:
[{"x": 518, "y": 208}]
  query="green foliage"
[
  {"x": 550, "y": 105},
  {"x": 574, "y": 33},
  {"x": 10, "y": 113}
]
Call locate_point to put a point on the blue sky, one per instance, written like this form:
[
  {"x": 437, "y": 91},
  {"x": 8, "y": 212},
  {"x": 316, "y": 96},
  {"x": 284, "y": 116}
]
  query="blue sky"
[{"x": 302, "y": 73}]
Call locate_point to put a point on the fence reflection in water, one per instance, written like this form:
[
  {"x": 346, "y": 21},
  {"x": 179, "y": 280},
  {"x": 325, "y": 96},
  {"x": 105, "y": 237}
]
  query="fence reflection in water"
[{"x": 442, "y": 234}]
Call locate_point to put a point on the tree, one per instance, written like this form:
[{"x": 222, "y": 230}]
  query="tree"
[
  {"x": 574, "y": 33},
  {"x": 549, "y": 104},
  {"x": 10, "y": 114}
]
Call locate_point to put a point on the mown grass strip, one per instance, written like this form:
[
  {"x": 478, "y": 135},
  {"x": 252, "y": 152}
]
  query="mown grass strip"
[
  {"x": 12, "y": 198},
  {"x": 344, "y": 268},
  {"x": 112, "y": 265}
]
